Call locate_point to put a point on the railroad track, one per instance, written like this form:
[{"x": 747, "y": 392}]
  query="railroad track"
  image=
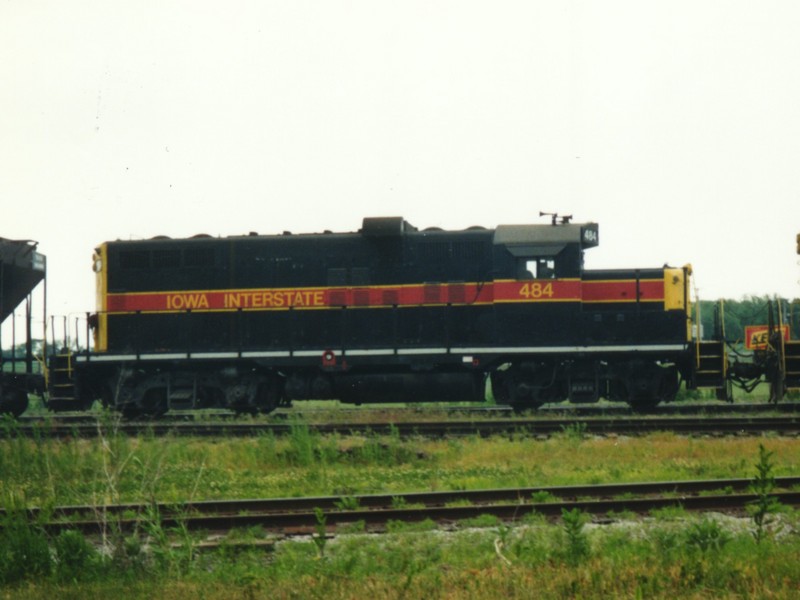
[
  {"x": 785, "y": 425},
  {"x": 300, "y": 516},
  {"x": 591, "y": 410}
]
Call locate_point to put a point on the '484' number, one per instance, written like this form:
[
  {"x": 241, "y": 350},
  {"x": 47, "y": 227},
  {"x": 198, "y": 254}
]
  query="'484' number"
[{"x": 533, "y": 291}]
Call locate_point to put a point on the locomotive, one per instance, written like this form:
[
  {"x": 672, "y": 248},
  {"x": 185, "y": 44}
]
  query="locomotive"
[{"x": 388, "y": 313}]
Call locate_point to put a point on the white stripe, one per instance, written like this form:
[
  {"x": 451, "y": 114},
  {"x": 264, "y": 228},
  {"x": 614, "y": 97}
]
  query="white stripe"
[
  {"x": 391, "y": 352},
  {"x": 570, "y": 349},
  {"x": 171, "y": 356},
  {"x": 368, "y": 352},
  {"x": 106, "y": 357},
  {"x": 276, "y": 354}
]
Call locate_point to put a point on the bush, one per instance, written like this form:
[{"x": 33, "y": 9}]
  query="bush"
[
  {"x": 76, "y": 559},
  {"x": 24, "y": 551}
]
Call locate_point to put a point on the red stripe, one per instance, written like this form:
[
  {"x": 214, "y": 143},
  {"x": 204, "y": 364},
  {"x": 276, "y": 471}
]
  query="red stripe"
[
  {"x": 623, "y": 291},
  {"x": 551, "y": 290},
  {"x": 538, "y": 290},
  {"x": 269, "y": 299}
]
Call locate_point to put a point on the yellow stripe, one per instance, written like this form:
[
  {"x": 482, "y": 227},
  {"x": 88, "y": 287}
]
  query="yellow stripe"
[
  {"x": 101, "y": 278},
  {"x": 301, "y": 288},
  {"x": 623, "y": 301},
  {"x": 287, "y": 309}
]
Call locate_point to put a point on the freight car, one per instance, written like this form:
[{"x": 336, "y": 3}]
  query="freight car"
[
  {"x": 385, "y": 314},
  {"x": 22, "y": 269}
]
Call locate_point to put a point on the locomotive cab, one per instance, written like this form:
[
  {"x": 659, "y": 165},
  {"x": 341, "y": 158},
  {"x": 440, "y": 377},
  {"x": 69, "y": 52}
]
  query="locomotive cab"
[{"x": 543, "y": 251}]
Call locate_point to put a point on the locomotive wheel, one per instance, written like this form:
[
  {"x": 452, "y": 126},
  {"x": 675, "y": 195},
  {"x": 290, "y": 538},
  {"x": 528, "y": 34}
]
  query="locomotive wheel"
[
  {"x": 130, "y": 412},
  {"x": 511, "y": 389},
  {"x": 643, "y": 402},
  {"x": 255, "y": 394},
  {"x": 133, "y": 403},
  {"x": 270, "y": 395},
  {"x": 649, "y": 384},
  {"x": 154, "y": 403},
  {"x": 13, "y": 402}
]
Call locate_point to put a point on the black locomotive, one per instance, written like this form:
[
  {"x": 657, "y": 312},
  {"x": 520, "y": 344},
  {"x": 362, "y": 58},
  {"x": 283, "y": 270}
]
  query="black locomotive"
[{"x": 386, "y": 314}]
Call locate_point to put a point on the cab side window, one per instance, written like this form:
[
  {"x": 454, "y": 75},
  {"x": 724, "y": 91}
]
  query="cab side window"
[{"x": 536, "y": 268}]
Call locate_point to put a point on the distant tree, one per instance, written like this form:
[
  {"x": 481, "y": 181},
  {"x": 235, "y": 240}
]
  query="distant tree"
[
  {"x": 749, "y": 310},
  {"x": 19, "y": 350}
]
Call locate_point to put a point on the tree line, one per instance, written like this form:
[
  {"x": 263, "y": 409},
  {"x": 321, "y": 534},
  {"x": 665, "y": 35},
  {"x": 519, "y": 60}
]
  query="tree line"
[{"x": 750, "y": 310}]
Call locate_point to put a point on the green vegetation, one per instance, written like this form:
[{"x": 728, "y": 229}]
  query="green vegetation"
[
  {"x": 763, "y": 485},
  {"x": 750, "y": 310},
  {"x": 698, "y": 558},
  {"x": 576, "y": 546},
  {"x": 116, "y": 468},
  {"x": 671, "y": 554}
]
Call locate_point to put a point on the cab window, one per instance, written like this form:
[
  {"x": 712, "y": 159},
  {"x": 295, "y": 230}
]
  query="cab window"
[{"x": 536, "y": 268}]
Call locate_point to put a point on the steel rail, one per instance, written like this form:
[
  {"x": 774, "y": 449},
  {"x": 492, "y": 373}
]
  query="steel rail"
[
  {"x": 590, "y": 410},
  {"x": 377, "y": 519},
  {"x": 393, "y": 506}
]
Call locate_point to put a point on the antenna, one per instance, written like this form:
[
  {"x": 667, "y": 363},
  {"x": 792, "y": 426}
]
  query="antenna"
[{"x": 554, "y": 217}]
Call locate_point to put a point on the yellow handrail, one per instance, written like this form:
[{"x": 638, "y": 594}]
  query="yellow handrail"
[
  {"x": 697, "y": 331},
  {"x": 722, "y": 332},
  {"x": 783, "y": 341}
]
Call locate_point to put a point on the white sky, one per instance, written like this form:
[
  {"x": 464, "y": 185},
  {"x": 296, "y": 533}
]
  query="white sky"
[{"x": 675, "y": 125}]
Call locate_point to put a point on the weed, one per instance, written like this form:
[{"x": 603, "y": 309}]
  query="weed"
[
  {"x": 621, "y": 515},
  {"x": 669, "y": 513},
  {"x": 321, "y": 533},
  {"x": 707, "y": 536},
  {"x": 127, "y": 553},
  {"x": 543, "y": 496},
  {"x": 763, "y": 485},
  {"x": 393, "y": 526},
  {"x": 574, "y": 432},
  {"x": 75, "y": 558},
  {"x": 412, "y": 560},
  {"x": 501, "y": 542},
  {"x": 534, "y": 518},
  {"x": 303, "y": 445},
  {"x": 577, "y": 542},
  {"x": 359, "y": 526},
  {"x": 667, "y": 542},
  {"x": 348, "y": 503},
  {"x": 480, "y": 521},
  {"x": 625, "y": 496},
  {"x": 460, "y": 502}
]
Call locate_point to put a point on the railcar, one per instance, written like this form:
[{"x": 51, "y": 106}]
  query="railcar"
[
  {"x": 22, "y": 269},
  {"x": 388, "y": 313}
]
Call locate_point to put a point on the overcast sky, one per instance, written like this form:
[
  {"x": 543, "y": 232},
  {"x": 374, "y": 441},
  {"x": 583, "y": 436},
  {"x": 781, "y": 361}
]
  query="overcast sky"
[{"x": 674, "y": 125}]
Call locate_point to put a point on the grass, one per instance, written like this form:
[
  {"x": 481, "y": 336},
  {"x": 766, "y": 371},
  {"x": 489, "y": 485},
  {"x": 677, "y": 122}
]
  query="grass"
[
  {"x": 700, "y": 558},
  {"x": 116, "y": 468},
  {"x": 671, "y": 554}
]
